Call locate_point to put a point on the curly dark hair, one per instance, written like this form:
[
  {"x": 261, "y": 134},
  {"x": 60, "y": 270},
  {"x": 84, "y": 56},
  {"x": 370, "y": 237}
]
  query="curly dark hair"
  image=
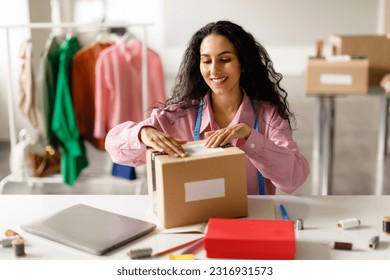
[{"x": 258, "y": 78}]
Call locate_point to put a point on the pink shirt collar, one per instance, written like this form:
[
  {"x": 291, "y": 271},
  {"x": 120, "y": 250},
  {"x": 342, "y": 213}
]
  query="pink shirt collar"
[
  {"x": 243, "y": 115},
  {"x": 130, "y": 49}
]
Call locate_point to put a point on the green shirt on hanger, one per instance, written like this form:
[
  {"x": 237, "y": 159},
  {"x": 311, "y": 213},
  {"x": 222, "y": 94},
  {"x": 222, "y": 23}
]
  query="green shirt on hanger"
[
  {"x": 64, "y": 125},
  {"x": 46, "y": 82}
]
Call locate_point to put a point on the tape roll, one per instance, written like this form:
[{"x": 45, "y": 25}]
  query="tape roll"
[
  {"x": 299, "y": 224},
  {"x": 386, "y": 225},
  {"x": 7, "y": 242},
  {"x": 342, "y": 245},
  {"x": 18, "y": 245},
  {"x": 348, "y": 223},
  {"x": 374, "y": 241},
  {"x": 182, "y": 257},
  {"x": 10, "y": 233},
  {"x": 140, "y": 253}
]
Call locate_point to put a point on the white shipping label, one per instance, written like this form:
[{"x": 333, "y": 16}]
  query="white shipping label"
[
  {"x": 336, "y": 79},
  {"x": 206, "y": 189}
]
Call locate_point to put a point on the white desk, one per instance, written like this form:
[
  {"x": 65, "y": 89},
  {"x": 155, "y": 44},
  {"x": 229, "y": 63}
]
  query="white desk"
[{"x": 320, "y": 215}]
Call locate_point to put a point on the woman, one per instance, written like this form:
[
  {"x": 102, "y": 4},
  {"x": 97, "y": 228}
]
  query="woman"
[{"x": 227, "y": 91}]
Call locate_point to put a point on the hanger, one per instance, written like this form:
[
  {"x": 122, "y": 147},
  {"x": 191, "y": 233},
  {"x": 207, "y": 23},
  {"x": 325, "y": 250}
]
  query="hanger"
[
  {"x": 127, "y": 37},
  {"x": 69, "y": 33},
  {"x": 105, "y": 36},
  {"x": 102, "y": 36}
]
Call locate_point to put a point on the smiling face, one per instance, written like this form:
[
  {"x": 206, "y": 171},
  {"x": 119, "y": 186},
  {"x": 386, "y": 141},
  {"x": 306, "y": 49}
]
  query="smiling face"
[{"x": 219, "y": 65}]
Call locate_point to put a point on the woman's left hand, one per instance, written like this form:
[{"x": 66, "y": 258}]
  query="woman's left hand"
[{"x": 221, "y": 137}]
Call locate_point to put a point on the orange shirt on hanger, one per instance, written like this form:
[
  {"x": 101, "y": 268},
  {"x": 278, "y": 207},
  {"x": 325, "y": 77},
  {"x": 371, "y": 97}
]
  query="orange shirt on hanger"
[{"x": 83, "y": 91}]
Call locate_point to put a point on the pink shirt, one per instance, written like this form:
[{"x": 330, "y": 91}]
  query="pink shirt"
[
  {"x": 118, "y": 96},
  {"x": 272, "y": 150}
]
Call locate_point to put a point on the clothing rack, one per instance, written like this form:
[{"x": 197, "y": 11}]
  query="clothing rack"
[{"x": 10, "y": 91}]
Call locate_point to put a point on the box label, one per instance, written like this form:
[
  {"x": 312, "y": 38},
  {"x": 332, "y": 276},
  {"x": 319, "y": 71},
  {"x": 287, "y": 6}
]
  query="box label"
[
  {"x": 206, "y": 189},
  {"x": 200, "y": 149},
  {"x": 336, "y": 79}
]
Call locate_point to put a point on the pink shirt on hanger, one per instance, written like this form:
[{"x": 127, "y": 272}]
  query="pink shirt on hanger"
[
  {"x": 118, "y": 95},
  {"x": 272, "y": 150}
]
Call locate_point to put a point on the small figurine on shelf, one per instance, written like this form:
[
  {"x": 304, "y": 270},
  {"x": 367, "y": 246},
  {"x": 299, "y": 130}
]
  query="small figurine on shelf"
[{"x": 20, "y": 156}]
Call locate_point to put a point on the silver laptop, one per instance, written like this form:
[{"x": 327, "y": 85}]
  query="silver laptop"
[{"x": 89, "y": 229}]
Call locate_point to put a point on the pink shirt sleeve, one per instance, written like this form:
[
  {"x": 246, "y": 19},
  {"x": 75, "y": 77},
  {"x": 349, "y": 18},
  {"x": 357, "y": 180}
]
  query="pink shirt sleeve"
[
  {"x": 124, "y": 146},
  {"x": 276, "y": 154}
]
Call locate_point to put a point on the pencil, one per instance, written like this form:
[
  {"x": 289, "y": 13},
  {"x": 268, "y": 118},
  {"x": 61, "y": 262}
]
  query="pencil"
[
  {"x": 194, "y": 247},
  {"x": 159, "y": 254}
]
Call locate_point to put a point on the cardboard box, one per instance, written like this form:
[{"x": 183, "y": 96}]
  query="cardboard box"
[
  {"x": 375, "y": 47},
  {"x": 337, "y": 77},
  {"x": 208, "y": 183},
  {"x": 250, "y": 239}
]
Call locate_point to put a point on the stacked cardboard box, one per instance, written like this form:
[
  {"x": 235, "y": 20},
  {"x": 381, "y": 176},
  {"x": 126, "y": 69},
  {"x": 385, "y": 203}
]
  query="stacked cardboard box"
[
  {"x": 337, "y": 77},
  {"x": 375, "y": 47}
]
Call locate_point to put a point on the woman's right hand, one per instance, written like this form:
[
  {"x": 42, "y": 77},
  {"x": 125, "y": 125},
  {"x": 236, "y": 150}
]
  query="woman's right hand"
[{"x": 162, "y": 142}]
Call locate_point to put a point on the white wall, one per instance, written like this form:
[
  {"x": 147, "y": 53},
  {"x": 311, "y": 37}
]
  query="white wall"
[{"x": 288, "y": 29}]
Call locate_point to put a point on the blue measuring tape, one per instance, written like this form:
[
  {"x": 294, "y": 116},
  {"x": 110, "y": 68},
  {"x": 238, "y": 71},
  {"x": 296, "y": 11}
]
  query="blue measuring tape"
[{"x": 198, "y": 122}]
